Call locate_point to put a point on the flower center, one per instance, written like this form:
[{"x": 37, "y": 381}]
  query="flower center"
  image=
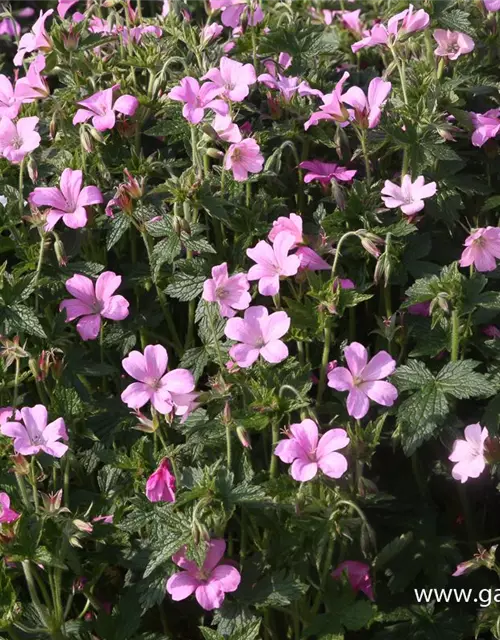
[
  {"x": 220, "y": 293},
  {"x": 154, "y": 383},
  {"x": 17, "y": 141},
  {"x": 356, "y": 380},
  {"x": 259, "y": 343},
  {"x": 236, "y": 155}
]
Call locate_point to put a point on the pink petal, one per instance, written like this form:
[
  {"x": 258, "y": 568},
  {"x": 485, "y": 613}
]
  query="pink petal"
[
  {"x": 228, "y": 577},
  {"x": 244, "y": 354},
  {"x": 156, "y": 358},
  {"x": 303, "y": 470},
  {"x": 70, "y": 185},
  {"x": 181, "y": 585},
  {"x": 136, "y": 395},
  {"x": 115, "y": 308},
  {"x": 135, "y": 365},
  {"x": 278, "y": 323},
  {"x": 82, "y": 288},
  {"x": 210, "y": 596},
  {"x": 274, "y": 351},
  {"x": 383, "y": 393},
  {"x": 340, "y": 379},
  {"x": 306, "y": 435},
  {"x": 356, "y": 357},
  {"x": 107, "y": 283},
  {"x": 55, "y": 449},
  {"x": 332, "y": 440},
  {"x": 107, "y": 121},
  {"x": 89, "y": 326},
  {"x": 77, "y": 219},
  {"x": 357, "y": 403},
  {"x": 215, "y": 552},
  {"x": 380, "y": 366},
  {"x": 333, "y": 465},
  {"x": 55, "y": 430},
  {"x": 82, "y": 115},
  {"x": 126, "y": 105},
  {"x": 89, "y": 195},
  {"x": 48, "y": 196},
  {"x": 178, "y": 381},
  {"x": 74, "y": 309},
  {"x": 287, "y": 450}
]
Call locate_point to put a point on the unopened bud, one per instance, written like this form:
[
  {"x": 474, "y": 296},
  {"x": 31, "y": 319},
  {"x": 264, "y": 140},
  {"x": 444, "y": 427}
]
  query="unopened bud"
[
  {"x": 79, "y": 584},
  {"x": 214, "y": 153},
  {"x": 95, "y": 134},
  {"x": 60, "y": 253},
  {"x": 226, "y": 416},
  {"x": 145, "y": 424},
  {"x": 81, "y": 525},
  {"x": 85, "y": 141},
  {"x": 243, "y": 437},
  {"x": 53, "y": 127},
  {"x": 32, "y": 169},
  {"x": 20, "y": 465},
  {"x": 210, "y": 132},
  {"x": 33, "y": 366}
]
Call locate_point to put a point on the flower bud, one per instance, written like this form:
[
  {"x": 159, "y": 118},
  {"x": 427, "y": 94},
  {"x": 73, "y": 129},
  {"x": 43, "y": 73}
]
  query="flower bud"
[
  {"x": 20, "y": 466},
  {"x": 60, "y": 253},
  {"x": 71, "y": 39},
  {"x": 85, "y": 141},
  {"x": 53, "y": 127},
  {"x": 32, "y": 169},
  {"x": 214, "y": 153},
  {"x": 96, "y": 135},
  {"x": 81, "y": 525},
  {"x": 145, "y": 424},
  {"x": 243, "y": 437}
]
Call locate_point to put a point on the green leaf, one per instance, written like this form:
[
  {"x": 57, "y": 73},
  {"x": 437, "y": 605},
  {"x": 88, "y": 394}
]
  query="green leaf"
[
  {"x": 210, "y": 634},
  {"x": 412, "y": 375},
  {"x": 185, "y": 286},
  {"x": 164, "y": 251},
  {"x": 118, "y": 225},
  {"x": 391, "y": 550},
  {"x": 17, "y": 318},
  {"x": 277, "y": 590},
  {"x": 358, "y": 615},
  {"x": 248, "y": 632},
  {"x": 461, "y": 381},
  {"x": 7, "y": 599},
  {"x": 195, "y": 360}
]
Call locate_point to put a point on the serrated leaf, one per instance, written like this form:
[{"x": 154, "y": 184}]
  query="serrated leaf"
[
  {"x": 276, "y": 590},
  {"x": 412, "y": 375},
  {"x": 185, "y": 286},
  {"x": 118, "y": 225},
  {"x": 18, "y": 318},
  {"x": 391, "y": 550},
  {"x": 195, "y": 360},
  {"x": 164, "y": 251},
  {"x": 210, "y": 634},
  {"x": 248, "y": 632},
  {"x": 461, "y": 381}
]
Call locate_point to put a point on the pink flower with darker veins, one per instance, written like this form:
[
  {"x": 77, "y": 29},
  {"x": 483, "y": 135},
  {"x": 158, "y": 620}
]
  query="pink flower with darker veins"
[
  {"x": 486, "y": 126},
  {"x": 226, "y": 129},
  {"x": 409, "y": 196},
  {"x": 160, "y": 486},
  {"x": 211, "y": 32},
  {"x": 9, "y": 27},
  {"x": 17, "y": 139},
  {"x": 258, "y": 334},
  {"x": 273, "y": 263},
  {"x": 243, "y": 158},
  {"x": 309, "y": 453},
  {"x": 167, "y": 392},
  {"x": 9, "y": 102},
  {"x": 468, "y": 454},
  {"x": 367, "y": 109},
  {"x": 291, "y": 225},
  {"x": 333, "y": 107},
  {"x": 325, "y": 172},
  {"x": 452, "y": 44},
  {"x": 101, "y": 108},
  {"x": 233, "y": 79},
  {"x": 68, "y": 201},
  {"x": 34, "y": 86},
  {"x": 37, "y": 38},
  {"x": 91, "y": 304},
  {"x": 35, "y": 434},
  {"x": 310, "y": 260},
  {"x": 7, "y": 515},
  {"x": 358, "y": 574},
  {"x": 482, "y": 249},
  {"x": 230, "y": 292},
  {"x": 363, "y": 379},
  {"x": 234, "y": 11},
  {"x": 196, "y": 99},
  {"x": 209, "y": 583}
]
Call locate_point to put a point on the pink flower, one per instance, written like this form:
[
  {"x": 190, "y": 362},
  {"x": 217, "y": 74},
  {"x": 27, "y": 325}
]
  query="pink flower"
[
  {"x": 243, "y": 158},
  {"x": 310, "y": 260},
  {"x": 232, "y": 79},
  {"x": 63, "y": 6},
  {"x": 9, "y": 102},
  {"x": 135, "y": 33},
  {"x": 8, "y": 413},
  {"x": 211, "y": 32},
  {"x": 482, "y": 249},
  {"x": 37, "y": 38},
  {"x": 19, "y": 138},
  {"x": 167, "y": 392},
  {"x": 234, "y": 11},
  {"x": 358, "y": 574},
  {"x": 273, "y": 262},
  {"x": 160, "y": 486},
  {"x": 68, "y": 202},
  {"x": 409, "y": 196},
  {"x": 410, "y": 21},
  {"x": 492, "y": 5},
  {"x": 258, "y": 333},
  {"x": 196, "y": 99},
  {"x": 104, "y": 519},
  {"x": 486, "y": 125},
  {"x": 91, "y": 304},
  {"x": 332, "y": 108},
  {"x": 452, "y": 44},
  {"x": 307, "y": 454},
  {"x": 9, "y": 27},
  {"x": 7, "y": 515},
  {"x": 165, "y": 10},
  {"x": 35, "y": 434},
  {"x": 209, "y": 582},
  {"x": 325, "y": 172},
  {"x": 367, "y": 110},
  {"x": 230, "y": 292},
  {"x": 364, "y": 380},
  {"x": 292, "y": 225},
  {"x": 226, "y": 129},
  {"x": 101, "y": 109},
  {"x": 34, "y": 86},
  {"x": 491, "y": 331},
  {"x": 377, "y": 35},
  {"x": 468, "y": 454},
  {"x": 420, "y": 309},
  {"x": 287, "y": 86},
  {"x": 350, "y": 19}
]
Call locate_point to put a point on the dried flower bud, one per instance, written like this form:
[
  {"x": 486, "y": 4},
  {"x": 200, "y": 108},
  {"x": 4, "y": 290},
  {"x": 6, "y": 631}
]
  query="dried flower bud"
[{"x": 145, "y": 424}]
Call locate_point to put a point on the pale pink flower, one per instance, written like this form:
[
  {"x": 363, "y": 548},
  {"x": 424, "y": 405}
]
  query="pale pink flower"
[
  {"x": 468, "y": 454},
  {"x": 9, "y": 102},
  {"x": 230, "y": 292},
  {"x": 7, "y": 515},
  {"x": 160, "y": 486},
  {"x": 367, "y": 109},
  {"x": 310, "y": 260},
  {"x": 36, "y": 39},
  {"x": 232, "y": 78},
  {"x": 63, "y": 6},
  {"x": 68, "y": 201},
  {"x": 482, "y": 249},
  {"x": 273, "y": 262},
  {"x": 196, "y": 99},
  {"x": 209, "y": 583},
  {"x": 292, "y": 225},
  {"x": 9, "y": 27},
  {"x": 134, "y": 34},
  {"x": 308, "y": 453},
  {"x": 211, "y": 32},
  {"x": 226, "y": 129},
  {"x": 378, "y": 34},
  {"x": 284, "y": 61},
  {"x": 409, "y": 196},
  {"x": 287, "y": 86},
  {"x": 411, "y": 21},
  {"x": 17, "y": 139},
  {"x": 351, "y": 20},
  {"x": 358, "y": 574},
  {"x": 243, "y": 158},
  {"x": 165, "y": 10},
  {"x": 98, "y": 25},
  {"x": 90, "y": 304},
  {"x": 258, "y": 333},
  {"x": 105, "y": 519},
  {"x": 364, "y": 379},
  {"x": 35, "y": 434},
  {"x": 167, "y": 392},
  {"x": 492, "y": 5},
  {"x": 234, "y": 12},
  {"x": 452, "y": 44},
  {"x": 34, "y": 86},
  {"x": 332, "y": 108},
  {"x": 325, "y": 172},
  {"x": 101, "y": 108},
  {"x": 486, "y": 126}
]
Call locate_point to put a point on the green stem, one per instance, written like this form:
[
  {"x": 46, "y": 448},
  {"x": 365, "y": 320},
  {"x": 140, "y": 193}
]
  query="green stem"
[
  {"x": 101, "y": 349},
  {"x": 364, "y": 147},
  {"x": 33, "y": 482},
  {"x": 229, "y": 452},
  {"x": 402, "y": 72},
  {"x": 39, "y": 266},
  {"x": 22, "y": 491},
  {"x": 273, "y": 467},
  {"x": 455, "y": 335},
  {"x": 16, "y": 382},
  {"x": 327, "y": 565},
  {"x": 337, "y": 252},
  {"x": 21, "y": 187},
  {"x": 30, "y": 581},
  {"x": 327, "y": 339}
]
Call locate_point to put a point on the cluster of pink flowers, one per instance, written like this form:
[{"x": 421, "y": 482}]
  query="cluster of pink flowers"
[{"x": 287, "y": 86}]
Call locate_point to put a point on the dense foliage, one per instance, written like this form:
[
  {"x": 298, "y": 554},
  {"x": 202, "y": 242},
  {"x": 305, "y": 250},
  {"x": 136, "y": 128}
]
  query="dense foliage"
[{"x": 250, "y": 379}]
